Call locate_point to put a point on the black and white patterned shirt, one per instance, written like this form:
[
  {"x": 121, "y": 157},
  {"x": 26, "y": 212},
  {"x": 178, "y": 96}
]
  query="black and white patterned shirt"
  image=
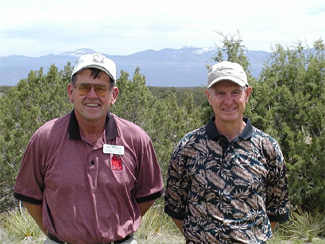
[{"x": 227, "y": 192}]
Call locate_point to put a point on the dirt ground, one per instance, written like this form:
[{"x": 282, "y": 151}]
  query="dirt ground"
[
  {"x": 152, "y": 239},
  {"x": 162, "y": 239},
  {"x": 156, "y": 239}
]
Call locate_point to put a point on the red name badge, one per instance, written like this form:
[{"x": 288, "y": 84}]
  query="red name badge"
[{"x": 117, "y": 163}]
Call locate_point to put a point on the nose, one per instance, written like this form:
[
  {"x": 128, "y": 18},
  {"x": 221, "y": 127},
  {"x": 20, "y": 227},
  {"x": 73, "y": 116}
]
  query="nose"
[
  {"x": 92, "y": 92},
  {"x": 228, "y": 99}
]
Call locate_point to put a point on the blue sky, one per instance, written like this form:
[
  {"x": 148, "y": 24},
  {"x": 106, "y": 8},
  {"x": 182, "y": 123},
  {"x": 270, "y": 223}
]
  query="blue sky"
[{"x": 38, "y": 27}]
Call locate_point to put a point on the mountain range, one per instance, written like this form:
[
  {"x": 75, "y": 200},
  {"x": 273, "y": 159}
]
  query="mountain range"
[{"x": 185, "y": 67}]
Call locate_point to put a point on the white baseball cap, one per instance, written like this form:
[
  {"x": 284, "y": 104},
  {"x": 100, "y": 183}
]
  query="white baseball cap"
[
  {"x": 98, "y": 61},
  {"x": 226, "y": 70}
]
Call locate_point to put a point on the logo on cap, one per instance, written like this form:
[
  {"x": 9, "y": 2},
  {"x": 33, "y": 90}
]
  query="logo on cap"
[
  {"x": 98, "y": 58},
  {"x": 222, "y": 69}
]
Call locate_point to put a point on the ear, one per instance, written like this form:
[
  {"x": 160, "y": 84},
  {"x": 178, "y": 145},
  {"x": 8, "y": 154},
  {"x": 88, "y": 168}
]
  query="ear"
[
  {"x": 207, "y": 94},
  {"x": 248, "y": 92},
  {"x": 70, "y": 92},
  {"x": 115, "y": 92}
]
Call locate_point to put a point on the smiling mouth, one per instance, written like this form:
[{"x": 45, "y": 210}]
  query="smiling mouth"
[
  {"x": 229, "y": 109},
  {"x": 92, "y": 105}
]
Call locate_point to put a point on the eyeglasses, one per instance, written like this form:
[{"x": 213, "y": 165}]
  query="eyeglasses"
[{"x": 100, "y": 89}]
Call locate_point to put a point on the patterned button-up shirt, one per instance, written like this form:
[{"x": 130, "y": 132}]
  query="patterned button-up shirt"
[{"x": 227, "y": 192}]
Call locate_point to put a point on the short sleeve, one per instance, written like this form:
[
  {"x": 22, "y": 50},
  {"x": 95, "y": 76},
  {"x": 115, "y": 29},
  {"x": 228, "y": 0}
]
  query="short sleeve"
[
  {"x": 29, "y": 182},
  {"x": 149, "y": 185}
]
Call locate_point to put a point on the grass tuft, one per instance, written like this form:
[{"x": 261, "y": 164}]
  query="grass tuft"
[
  {"x": 19, "y": 225},
  {"x": 156, "y": 227},
  {"x": 156, "y": 222},
  {"x": 304, "y": 226}
]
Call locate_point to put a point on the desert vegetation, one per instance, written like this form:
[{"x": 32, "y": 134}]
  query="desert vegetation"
[{"x": 288, "y": 102}]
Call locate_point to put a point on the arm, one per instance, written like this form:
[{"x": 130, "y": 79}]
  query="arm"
[
  {"x": 35, "y": 211},
  {"x": 273, "y": 225},
  {"x": 179, "y": 224},
  {"x": 144, "y": 206}
]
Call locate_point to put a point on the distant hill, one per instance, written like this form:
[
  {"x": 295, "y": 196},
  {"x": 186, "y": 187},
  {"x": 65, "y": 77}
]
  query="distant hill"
[{"x": 185, "y": 67}]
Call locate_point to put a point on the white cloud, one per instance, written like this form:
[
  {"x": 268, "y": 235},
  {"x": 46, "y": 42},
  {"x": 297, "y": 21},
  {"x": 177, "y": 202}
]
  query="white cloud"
[{"x": 122, "y": 27}]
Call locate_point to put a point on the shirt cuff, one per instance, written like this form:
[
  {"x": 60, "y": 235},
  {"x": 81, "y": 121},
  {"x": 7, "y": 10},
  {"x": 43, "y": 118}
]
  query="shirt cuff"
[
  {"x": 279, "y": 218},
  {"x": 150, "y": 197},
  {"x": 173, "y": 214},
  {"x": 24, "y": 198}
]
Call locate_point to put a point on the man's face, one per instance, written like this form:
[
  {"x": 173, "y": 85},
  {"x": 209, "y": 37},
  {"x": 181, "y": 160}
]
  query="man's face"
[
  {"x": 228, "y": 100},
  {"x": 91, "y": 105}
]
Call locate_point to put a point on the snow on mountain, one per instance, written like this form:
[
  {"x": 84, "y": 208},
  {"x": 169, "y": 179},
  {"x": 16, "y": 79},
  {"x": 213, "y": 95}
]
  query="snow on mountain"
[
  {"x": 185, "y": 67},
  {"x": 199, "y": 51},
  {"x": 78, "y": 52}
]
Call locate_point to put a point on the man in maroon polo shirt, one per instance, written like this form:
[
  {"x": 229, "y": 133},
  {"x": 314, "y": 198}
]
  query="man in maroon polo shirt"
[{"x": 89, "y": 176}]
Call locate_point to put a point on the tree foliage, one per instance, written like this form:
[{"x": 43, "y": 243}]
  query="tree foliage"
[
  {"x": 288, "y": 102},
  {"x": 31, "y": 103},
  {"x": 290, "y": 105},
  {"x": 162, "y": 118}
]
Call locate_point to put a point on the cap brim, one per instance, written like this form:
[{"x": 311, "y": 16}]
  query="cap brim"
[
  {"x": 229, "y": 78},
  {"x": 96, "y": 67}
]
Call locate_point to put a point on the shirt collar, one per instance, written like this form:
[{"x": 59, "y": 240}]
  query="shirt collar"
[
  {"x": 213, "y": 132},
  {"x": 110, "y": 127}
]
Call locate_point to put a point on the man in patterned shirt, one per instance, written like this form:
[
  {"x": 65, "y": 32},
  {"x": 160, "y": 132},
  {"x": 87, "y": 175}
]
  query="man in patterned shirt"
[{"x": 227, "y": 180}]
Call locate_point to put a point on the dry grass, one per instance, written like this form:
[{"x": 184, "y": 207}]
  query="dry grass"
[{"x": 158, "y": 228}]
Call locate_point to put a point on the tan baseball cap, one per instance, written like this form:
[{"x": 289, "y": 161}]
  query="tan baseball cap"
[{"x": 226, "y": 70}]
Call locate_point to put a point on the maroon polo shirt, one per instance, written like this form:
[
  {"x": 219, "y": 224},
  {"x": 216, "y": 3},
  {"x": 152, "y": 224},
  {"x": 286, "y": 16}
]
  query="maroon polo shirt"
[{"x": 89, "y": 196}]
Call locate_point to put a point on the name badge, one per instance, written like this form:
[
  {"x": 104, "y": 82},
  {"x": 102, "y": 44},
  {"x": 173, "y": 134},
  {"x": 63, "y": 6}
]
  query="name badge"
[{"x": 113, "y": 149}]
